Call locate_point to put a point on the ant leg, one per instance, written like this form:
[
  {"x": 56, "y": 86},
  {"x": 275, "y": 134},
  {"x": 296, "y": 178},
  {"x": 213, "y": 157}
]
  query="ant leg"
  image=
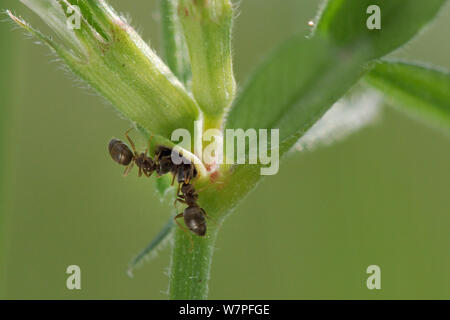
[
  {"x": 156, "y": 158},
  {"x": 179, "y": 199},
  {"x": 184, "y": 229},
  {"x": 178, "y": 189},
  {"x": 131, "y": 141},
  {"x": 173, "y": 180},
  {"x": 206, "y": 215},
  {"x": 127, "y": 169},
  {"x": 191, "y": 175}
]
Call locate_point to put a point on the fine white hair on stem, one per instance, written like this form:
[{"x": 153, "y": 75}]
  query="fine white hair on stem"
[{"x": 345, "y": 117}]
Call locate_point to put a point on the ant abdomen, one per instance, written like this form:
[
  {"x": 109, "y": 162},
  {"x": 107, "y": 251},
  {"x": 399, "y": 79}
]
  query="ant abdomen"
[
  {"x": 120, "y": 152},
  {"x": 195, "y": 220}
]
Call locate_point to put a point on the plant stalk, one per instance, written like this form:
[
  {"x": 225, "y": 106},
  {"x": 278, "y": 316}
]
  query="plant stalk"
[
  {"x": 175, "y": 49},
  {"x": 190, "y": 266}
]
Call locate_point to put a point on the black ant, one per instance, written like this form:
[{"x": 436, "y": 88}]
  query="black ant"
[
  {"x": 194, "y": 216},
  {"x": 184, "y": 172},
  {"x": 123, "y": 155}
]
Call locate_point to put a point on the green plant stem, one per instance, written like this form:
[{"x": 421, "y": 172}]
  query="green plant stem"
[
  {"x": 212, "y": 123},
  {"x": 207, "y": 26},
  {"x": 190, "y": 266},
  {"x": 190, "y": 269},
  {"x": 175, "y": 48}
]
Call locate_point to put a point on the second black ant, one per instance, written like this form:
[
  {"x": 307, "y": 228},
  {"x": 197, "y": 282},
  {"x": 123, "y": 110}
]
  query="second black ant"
[{"x": 194, "y": 216}]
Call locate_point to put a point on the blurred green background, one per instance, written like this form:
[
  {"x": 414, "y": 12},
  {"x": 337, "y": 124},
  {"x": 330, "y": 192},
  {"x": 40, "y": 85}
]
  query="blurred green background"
[{"x": 380, "y": 197}]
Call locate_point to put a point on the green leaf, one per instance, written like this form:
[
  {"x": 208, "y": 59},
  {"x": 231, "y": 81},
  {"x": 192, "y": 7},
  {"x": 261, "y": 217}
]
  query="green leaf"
[
  {"x": 55, "y": 17},
  {"x": 153, "y": 247},
  {"x": 175, "y": 48},
  {"x": 163, "y": 186},
  {"x": 356, "y": 110},
  {"x": 419, "y": 89},
  {"x": 295, "y": 87},
  {"x": 40, "y": 36},
  {"x": 298, "y": 83},
  {"x": 207, "y": 28},
  {"x": 345, "y": 22},
  {"x": 112, "y": 58}
]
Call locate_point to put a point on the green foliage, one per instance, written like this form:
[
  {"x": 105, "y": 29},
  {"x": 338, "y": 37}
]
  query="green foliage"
[
  {"x": 175, "y": 48},
  {"x": 163, "y": 185},
  {"x": 150, "y": 250},
  {"x": 119, "y": 65},
  {"x": 298, "y": 83},
  {"x": 344, "y": 22},
  {"x": 295, "y": 87},
  {"x": 421, "y": 90},
  {"x": 207, "y": 27}
]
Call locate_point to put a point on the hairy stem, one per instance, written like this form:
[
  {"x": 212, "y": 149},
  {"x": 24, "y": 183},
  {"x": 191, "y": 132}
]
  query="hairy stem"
[
  {"x": 190, "y": 266},
  {"x": 175, "y": 49}
]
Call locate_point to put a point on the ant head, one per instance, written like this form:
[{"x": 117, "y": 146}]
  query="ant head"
[{"x": 187, "y": 188}]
